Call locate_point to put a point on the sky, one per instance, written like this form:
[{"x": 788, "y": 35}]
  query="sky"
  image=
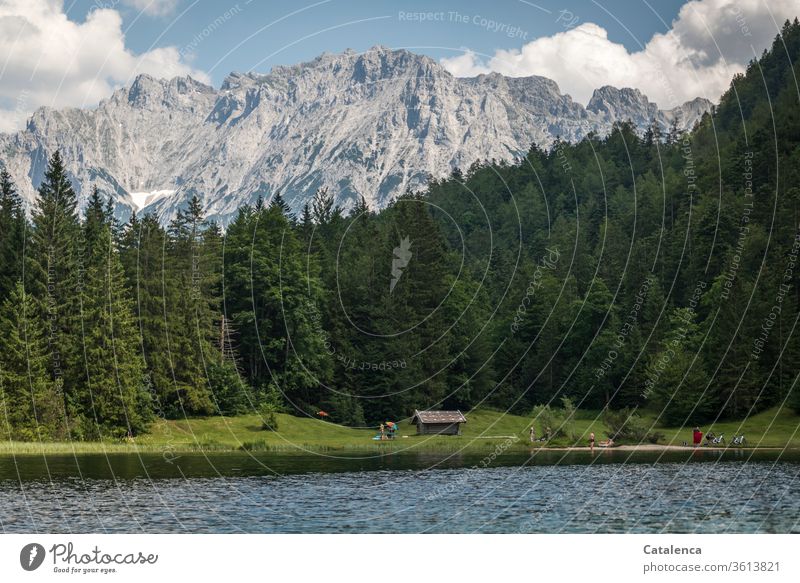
[{"x": 76, "y": 52}]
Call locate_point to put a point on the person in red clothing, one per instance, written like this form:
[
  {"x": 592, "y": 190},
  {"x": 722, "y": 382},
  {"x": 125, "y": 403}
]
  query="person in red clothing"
[{"x": 697, "y": 436}]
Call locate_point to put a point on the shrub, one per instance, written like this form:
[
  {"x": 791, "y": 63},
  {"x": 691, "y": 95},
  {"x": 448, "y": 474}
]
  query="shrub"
[
  {"x": 568, "y": 416},
  {"x": 269, "y": 416},
  {"x": 625, "y": 425},
  {"x": 271, "y": 405},
  {"x": 560, "y": 421}
]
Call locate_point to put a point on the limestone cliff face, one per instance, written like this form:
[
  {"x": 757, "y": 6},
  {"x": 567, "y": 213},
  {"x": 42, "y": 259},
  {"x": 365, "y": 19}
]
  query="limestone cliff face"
[{"x": 367, "y": 124}]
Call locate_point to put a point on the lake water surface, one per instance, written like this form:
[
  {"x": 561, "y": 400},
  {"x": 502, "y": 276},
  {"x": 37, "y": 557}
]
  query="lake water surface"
[{"x": 551, "y": 492}]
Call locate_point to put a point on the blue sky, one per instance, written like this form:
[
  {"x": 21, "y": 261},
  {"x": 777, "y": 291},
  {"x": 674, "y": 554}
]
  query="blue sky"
[
  {"x": 75, "y": 53},
  {"x": 317, "y": 27}
]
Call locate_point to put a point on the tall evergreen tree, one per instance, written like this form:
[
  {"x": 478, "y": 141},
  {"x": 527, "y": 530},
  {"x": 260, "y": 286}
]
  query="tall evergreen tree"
[
  {"x": 31, "y": 403},
  {"x": 13, "y": 229},
  {"x": 115, "y": 394},
  {"x": 143, "y": 250},
  {"x": 191, "y": 325},
  {"x": 54, "y": 276},
  {"x": 273, "y": 304},
  {"x": 279, "y": 202}
]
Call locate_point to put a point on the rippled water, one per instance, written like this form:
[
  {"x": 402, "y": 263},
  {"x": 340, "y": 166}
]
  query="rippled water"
[{"x": 550, "y": 493}]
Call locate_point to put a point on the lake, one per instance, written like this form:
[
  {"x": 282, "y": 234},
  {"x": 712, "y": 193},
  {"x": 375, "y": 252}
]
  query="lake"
[{"x": 706, "y": 491}]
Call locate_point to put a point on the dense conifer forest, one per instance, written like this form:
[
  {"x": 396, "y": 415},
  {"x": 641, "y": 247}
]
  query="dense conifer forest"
[{"x": 657, "y": 271}]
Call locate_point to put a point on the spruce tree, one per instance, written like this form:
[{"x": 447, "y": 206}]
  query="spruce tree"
[
  {"x": 12, "y": 235},
  {"x": 190, "y": 311},
  {"x": 306, "y": 224},
  {"x": 115, "y": 399},
  {"x": 323, "y": 206},
  {"x": 272, "y": 298},
  {"x": 32, "y": 406},
  {"x": 143, "y": 250},
  {"x": 54, "y": 276},
  {"x": 279, "y": 202}
]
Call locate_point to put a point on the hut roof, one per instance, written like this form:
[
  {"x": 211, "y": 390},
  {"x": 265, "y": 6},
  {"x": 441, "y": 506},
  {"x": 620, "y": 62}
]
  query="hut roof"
[{"x": 438, "y": 417}]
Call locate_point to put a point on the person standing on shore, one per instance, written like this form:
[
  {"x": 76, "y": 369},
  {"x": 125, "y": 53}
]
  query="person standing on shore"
[
  {"x": 591, "y": 441},
  {"x": 533, "y": 434},
  {"x": 697, "y": 436}
]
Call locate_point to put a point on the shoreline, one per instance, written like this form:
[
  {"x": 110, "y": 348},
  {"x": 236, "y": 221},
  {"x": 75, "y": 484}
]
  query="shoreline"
[
  {"x": 663, "y": 447},
  {"x": 457, "y": 447},
  {"x": 487, "y": 432}
]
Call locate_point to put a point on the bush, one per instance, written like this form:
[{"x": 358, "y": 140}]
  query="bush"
[
  {"x": 547, "y": 419},
  {"x": 568, "y": 415},
  {"x": 269, "y": 416},
  {"x": 560, "y": 421},
  {"x": 269, "y": 409},
  {"x": 625, "y": 425}
]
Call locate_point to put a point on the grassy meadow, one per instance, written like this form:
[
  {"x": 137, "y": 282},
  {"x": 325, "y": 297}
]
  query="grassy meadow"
[{"x": 485, "y": 429}]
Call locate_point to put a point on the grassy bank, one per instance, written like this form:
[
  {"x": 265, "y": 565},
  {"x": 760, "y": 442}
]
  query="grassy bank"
[{"x": 485, "y": 430}]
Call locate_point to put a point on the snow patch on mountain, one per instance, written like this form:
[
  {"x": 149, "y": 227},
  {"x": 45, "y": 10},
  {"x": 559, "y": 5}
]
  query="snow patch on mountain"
[{"x": 143, "y": 199}]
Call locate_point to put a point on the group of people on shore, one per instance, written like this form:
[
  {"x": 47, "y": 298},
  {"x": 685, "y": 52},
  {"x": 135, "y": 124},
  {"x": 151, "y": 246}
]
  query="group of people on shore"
[
  {"x": 602, "y": 443},
  {"x": 697, "y": 438},
  {"x": 387, "y": 430}
]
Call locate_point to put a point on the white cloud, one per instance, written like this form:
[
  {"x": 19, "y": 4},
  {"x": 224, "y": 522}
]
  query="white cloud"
[
  {"x": 47, "y": 59},
  {"x": 155, "y": 8},
  {"x": 466, "y": 65},
  {"x": 709, "y": 42}
]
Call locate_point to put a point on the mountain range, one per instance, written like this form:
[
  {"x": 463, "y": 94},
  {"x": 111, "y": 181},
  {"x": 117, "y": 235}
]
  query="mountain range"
[{"x": 371, "y": 124}]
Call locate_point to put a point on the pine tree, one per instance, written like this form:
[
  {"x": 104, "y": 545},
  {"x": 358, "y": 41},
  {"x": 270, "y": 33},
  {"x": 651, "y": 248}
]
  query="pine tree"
[
  {"x": 306, "y": 224},
  {"x": 30, "y": 402},
  {"x": 190, "y": 311},
  {"x": 12, "y": 235},
  {"x": 272, "y": 301},
  {"x": 95, "y": 221},
  {"x": 54, "y": 276},
  {"x": 323, "y": 206},
  {"x": 279, "y": 202},
  {"x": 130, "y": 234},
  {"x": 677, "y": 386},
  {"x": 143, "y": 249},
  {"x": 416, "y": 266},
  {"x": 115, "y": 400}
]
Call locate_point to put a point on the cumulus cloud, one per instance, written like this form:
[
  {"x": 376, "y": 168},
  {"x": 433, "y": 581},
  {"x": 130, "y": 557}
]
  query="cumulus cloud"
[
  {"x": 47, "y": 59},
  {"x": 155, "y": 8},
  {"x": 709, "y": 42}
]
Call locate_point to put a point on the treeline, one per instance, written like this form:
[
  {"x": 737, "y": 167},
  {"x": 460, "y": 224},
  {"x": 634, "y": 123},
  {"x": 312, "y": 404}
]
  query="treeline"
[
  {"x": 105, "y": 326},
  {"x": 656, "y": 270},
  {"x": 652, "y": 270}
]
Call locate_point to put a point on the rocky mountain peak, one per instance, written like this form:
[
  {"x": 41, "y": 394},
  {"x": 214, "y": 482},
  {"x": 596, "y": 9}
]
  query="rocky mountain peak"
[
  {"x": 370, "y": 124},
  {"x": 148, "y": 92},
  {"x": 616, "y": 102}
]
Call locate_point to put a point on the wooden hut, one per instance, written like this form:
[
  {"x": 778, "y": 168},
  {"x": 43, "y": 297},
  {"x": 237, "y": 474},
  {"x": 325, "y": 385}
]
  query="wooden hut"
[{"x": 438, "y": 422}]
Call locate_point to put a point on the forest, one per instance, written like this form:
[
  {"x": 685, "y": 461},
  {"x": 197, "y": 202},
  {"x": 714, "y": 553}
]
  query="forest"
[{"x": 656, "y": 271}]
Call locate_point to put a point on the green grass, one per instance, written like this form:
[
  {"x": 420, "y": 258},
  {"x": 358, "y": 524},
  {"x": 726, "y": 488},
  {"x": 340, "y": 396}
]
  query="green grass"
[
  {"x": 485, "y": 430},
  {"x": 772, "y": 428}
]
